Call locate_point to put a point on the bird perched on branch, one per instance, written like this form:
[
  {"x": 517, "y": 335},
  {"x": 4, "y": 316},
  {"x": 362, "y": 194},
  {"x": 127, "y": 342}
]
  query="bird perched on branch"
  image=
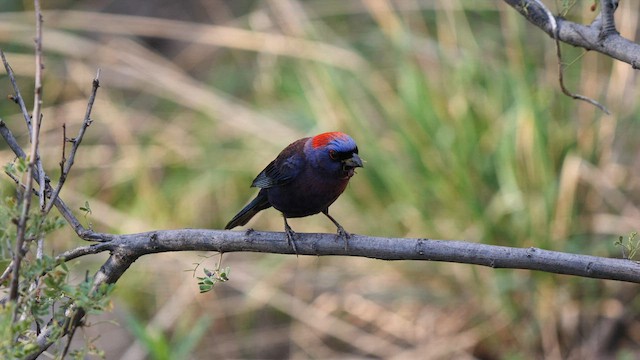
[{"x": 305, "y": 179}]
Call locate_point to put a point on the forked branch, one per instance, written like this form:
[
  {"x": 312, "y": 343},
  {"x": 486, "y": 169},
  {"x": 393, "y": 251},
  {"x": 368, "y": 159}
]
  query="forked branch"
[{"x": 599, "y": 36}]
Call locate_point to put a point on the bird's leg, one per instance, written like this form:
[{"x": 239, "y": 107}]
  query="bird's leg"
[
  {"x": 341, "y": 231},
  {"x": 290, "y": 235}
]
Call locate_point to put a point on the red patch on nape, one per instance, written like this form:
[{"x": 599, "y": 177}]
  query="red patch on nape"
[{"x": 325, "y": 138}]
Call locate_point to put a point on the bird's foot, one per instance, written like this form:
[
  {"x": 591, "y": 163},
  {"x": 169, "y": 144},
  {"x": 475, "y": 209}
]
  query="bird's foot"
[
  {"x": 345, "y": 235},
  {"x": 341, "y": 231},
  {"x": 291, "y": 239}
]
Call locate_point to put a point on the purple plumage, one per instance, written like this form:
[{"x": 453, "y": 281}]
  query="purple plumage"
[{"x": 305, "y": 179}]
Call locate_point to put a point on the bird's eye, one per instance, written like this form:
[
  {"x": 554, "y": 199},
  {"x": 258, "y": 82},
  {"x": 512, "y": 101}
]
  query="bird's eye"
[{"x": 333, "y": 154}]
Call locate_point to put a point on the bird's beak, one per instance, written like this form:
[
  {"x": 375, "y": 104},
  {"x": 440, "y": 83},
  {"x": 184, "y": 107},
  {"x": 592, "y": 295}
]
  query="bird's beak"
[{"x": 353, "y": 162}]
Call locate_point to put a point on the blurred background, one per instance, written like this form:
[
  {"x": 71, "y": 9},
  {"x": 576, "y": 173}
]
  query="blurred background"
[{"x": 456, "y": 108}]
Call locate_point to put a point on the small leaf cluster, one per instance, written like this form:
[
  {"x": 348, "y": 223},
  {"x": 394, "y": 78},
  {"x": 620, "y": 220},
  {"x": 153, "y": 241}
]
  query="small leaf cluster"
[
  {"x": 631, "y": 247},
  {"x": 211, "y": 278}
]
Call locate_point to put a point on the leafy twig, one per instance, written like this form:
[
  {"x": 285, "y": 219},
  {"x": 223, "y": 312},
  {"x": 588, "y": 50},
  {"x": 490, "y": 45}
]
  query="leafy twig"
[{"x": 211, "y": 278}]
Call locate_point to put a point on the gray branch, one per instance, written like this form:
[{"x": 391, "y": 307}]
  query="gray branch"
[
  {"x": 64, "y": 210},
  {"x": 126, "y": 249},
  {"x": 66, "y": 164},
  {"x": 133, "y": 246},
  {"x": 600, "y": 36}
]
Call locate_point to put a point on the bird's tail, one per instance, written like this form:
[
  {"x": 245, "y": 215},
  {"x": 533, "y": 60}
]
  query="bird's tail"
[{"x": 256, "y": 205}]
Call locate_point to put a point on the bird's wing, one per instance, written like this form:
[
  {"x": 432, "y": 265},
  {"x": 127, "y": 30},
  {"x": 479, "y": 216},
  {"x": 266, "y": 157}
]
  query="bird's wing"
[{"x": 284, "y": 168}]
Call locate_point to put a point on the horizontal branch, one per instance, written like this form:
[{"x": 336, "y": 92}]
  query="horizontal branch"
[
  {"x": 598, "y": 36},
  {"x": 132, "y": 246},
  {"x": 126, "y": 249}
]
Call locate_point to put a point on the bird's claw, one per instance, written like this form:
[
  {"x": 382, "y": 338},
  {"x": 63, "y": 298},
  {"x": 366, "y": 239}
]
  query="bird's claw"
[
  {"x": 291, "y": 240},
  {"x": 345, "y": 235}
]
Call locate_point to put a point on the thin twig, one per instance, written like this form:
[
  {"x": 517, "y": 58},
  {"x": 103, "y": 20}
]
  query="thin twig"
[
  {"x": 554, "y": 30},
  {"x": 33, "y": 154},
  {"x": 63, "y": 159},
  {"x": 66, "y": 164},
  {"x": 18, "y": 99},
  {"x": 70, "y": 329},
  {"x": 584, "y": 36},
  {"x": 64, "y": 210},
  {"x": 37, "y": 103},
  {"x": 569, "y": 93},
  {"x": 83, "y": 251}
]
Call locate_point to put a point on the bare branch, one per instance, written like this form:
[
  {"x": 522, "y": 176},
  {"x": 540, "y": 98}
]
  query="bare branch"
[
  {"x": 126, "y": 249},
  {"x": 63, "y": 159},
  {"x": 33, "y": 155},
  {"x": 585, "y": 36},
  {"x": 17, "y": 98},
  {"x": 66, "y": 164},
  {"x": 64, "y": 210},
  {"x": 83, "y": 251},
  {"x": 37, "y": 102},
  {"x": 136, "y": 245},
  {"x": 554, "y": 31},
  {"x": 11, "y": 140}
]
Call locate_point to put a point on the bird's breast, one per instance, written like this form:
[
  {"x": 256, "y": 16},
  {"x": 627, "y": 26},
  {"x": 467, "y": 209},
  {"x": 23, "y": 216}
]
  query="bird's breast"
[{"x": 306, "y": 195}]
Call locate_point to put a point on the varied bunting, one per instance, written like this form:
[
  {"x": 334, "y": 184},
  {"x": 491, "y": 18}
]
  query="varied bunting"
[{"x": 305, "y": 178}]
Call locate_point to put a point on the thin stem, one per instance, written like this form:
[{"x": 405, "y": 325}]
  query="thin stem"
[
  {"x": 17, "y": 98},
  {"x": 555, "y": 33},
  {"x": 64, "y": 210},
  {"x": 66, "y": 164},
  {"x": 33, "y": 154}
]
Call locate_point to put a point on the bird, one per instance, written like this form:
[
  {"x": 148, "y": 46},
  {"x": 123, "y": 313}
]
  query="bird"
[{"x": 303, "y": 180}]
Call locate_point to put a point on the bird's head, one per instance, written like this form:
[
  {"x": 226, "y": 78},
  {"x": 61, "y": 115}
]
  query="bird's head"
[{"x": 335, "y": 153}]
